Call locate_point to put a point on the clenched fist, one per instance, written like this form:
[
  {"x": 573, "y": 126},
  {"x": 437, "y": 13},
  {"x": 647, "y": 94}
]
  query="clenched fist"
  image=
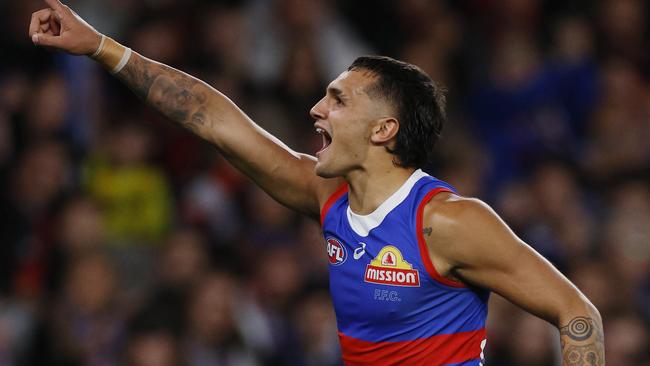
[{"x": 61, "y": 28}]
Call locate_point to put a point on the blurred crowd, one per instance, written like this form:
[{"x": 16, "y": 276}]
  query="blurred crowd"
[{"x": 126, "y": 240}]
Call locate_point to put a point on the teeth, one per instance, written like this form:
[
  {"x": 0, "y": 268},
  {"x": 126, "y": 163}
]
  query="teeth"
[{"x": 326, "y": 138}]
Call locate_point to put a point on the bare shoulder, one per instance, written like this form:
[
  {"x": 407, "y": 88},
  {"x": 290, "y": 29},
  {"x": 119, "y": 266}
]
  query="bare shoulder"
[
  {"x": 446, "y": 210},
  {"x": 461, "y": 229}
]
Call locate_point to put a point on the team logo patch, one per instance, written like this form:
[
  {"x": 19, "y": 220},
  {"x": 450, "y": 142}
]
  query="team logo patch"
[
  {"x": 390, "y": 268},
  {"x": 335, "y": 252}
]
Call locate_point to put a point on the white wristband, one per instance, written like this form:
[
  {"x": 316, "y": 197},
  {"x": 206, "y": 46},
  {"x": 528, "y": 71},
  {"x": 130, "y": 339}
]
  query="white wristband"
[
  {"x": 125, "y": 58},
  {"x": 112, "y": 55},
  {"x": 101, "y": 45}
]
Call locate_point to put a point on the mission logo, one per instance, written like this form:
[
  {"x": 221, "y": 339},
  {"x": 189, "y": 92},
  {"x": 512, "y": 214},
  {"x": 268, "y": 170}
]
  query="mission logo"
[
  {"x": 335, "y": 252},
  {"x": 390, "y": 268}
]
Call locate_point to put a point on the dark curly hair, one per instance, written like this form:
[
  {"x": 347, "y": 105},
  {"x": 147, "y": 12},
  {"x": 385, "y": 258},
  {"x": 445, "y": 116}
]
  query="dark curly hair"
[{"x": 418, "y": 102}]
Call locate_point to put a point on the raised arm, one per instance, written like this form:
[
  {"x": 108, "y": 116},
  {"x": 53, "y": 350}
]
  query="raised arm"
[
  {"x": 286, "y": 175},
  {"x": 468, "y": 242}
]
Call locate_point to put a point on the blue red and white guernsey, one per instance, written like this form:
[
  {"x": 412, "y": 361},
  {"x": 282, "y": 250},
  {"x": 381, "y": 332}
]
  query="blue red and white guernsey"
[{"x": 392, "y": 307}]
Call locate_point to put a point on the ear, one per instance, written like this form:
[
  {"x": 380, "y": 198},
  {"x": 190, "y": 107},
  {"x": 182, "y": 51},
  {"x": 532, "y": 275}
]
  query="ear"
[{"x": 384, "y": 131}]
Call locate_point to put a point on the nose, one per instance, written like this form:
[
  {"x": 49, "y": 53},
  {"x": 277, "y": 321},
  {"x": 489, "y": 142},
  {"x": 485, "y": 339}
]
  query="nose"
[{"x": 318, "y": 111}]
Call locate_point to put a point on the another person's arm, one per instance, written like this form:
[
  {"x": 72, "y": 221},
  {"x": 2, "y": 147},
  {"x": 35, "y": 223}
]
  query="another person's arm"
[
  {"x": 468, "y": 242},
  {"x": 286, "y": 175}
]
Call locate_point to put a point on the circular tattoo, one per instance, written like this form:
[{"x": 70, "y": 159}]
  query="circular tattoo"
[{"x": 580, "y": 329}]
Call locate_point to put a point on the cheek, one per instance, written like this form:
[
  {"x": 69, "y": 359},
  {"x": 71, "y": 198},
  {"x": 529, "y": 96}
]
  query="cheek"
[
  {"x": 356, "y": 136},
  {"x": 350, "y": 128},
  {"x": 351, "y": 133}
]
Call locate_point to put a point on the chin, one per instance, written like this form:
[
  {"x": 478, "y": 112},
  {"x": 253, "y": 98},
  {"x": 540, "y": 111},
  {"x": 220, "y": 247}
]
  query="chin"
[{"x": 323, "y": 171}]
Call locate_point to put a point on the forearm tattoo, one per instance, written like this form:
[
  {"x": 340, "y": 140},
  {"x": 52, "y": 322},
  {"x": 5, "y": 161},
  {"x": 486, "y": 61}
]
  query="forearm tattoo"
[
  {"x": 582, "y": 343},
  {"x": 175, "y": 94}
]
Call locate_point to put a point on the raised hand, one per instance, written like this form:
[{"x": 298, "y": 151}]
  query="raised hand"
[{"x": 61, "y": 28}]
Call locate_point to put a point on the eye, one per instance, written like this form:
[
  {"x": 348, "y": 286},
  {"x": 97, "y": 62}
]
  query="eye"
[{"x": 338, "y": 100}]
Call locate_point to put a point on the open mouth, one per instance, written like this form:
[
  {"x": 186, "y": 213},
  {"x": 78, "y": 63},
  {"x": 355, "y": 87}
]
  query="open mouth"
[{"x": 327, "y": 139}]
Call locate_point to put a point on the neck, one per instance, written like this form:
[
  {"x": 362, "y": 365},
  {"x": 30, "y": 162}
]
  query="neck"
[{"x": 370, "y": 188}]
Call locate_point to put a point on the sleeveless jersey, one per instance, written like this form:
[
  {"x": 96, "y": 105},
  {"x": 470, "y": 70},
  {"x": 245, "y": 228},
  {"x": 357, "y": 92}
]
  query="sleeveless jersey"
[{"x": 392, "y": 307}]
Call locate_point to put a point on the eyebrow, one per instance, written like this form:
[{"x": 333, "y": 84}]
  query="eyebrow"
[{"x": 335, "y": 91}]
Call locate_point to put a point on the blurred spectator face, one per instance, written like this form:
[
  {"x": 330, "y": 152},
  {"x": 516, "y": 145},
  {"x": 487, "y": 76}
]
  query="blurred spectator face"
[
  {"x": 279, "y": 277},
  {"x": 620, "y": 129},
  {"x": 623, "y": 84},
  {"x": 465, "y": 163},
  {"x": 14, "y": 91},
  {"x": 576, "y": 231},
  {"x": 623, "y": 21},
  {"x": 91, "y": 283},
  {"x": 131, "y": 144},
  {"x": 466, "y": 177},
  {"x": 500, "y": 323},
  {"x": 211, "y": 310},
  {"x": 314, "y": 259},
  {"x": 81, "y": 225},
  {"x": 153, "y": 349},
  {"x": 519, "y": 13},
  {"x": 184, "y": 259},
  {"x": 431, "y": 42},
  {"x": 315, "y": 318},
  {"x": 626, "y": 340},
  {"x": 300, "y": 16},
  {"x": 226, "y": 36},
  {"x": 41, "y": 174},
  {"x": 51, "y": 106},
  {"x": 595, "y": 280},
  {"x": 301, "y": 71},
  {"x": 266, "y": 211},
  {"x": 416, "y": 17},
  {"x": 628, "y": 233},
  {"x": 515, "y": 202},
  {"x": 555, "y": 188},
  {"x": 316, "y": 325},
  {"x": 573, "y": 39},
  {"x": 559, "y": 203},
  {"x": 515, "y": 62},
  {"x": 149, "y": 40},
  {"x": 532, "y": 341}
]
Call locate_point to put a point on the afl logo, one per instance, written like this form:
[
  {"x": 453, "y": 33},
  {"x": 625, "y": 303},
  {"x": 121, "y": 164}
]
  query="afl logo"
[{"x": 335, "y": 252}]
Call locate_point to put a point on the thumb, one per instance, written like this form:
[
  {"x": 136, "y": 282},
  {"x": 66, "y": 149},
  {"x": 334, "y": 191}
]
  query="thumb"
[{"x": 43, "y": 39}]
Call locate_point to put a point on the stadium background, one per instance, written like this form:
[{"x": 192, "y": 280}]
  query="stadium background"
[{"x": 126, "y": 240}]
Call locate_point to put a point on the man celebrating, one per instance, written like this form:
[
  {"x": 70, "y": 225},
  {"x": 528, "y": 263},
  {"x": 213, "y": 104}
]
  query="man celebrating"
[{"x": 411, "y": 261}]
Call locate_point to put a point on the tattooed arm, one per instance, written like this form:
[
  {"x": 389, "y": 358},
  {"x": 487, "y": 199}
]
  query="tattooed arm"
[
  {"x": 180, "y": 97},
  {"x": 469, "y": 243},
  {"x": 286, "y": 175},
  {"x": 583, "y": 341}
]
